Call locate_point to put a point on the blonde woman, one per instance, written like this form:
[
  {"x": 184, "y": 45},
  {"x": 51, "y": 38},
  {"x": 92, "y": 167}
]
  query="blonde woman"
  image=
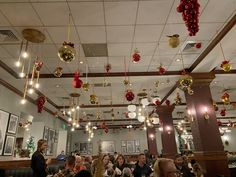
[{"x": 165, "y": 168}]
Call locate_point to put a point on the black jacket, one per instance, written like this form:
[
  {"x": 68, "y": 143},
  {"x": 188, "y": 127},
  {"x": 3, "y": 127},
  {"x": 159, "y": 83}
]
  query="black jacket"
[
  {"x": 142, "y": 171},
  {"x": 38, "y": 165}
]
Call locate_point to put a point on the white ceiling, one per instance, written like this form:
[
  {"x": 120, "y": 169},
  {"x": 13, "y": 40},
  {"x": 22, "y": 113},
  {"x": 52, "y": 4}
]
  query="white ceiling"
[{"x": 124, "y": 25}]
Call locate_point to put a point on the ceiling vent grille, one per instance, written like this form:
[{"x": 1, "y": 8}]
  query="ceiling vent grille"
[
  {"x": 8, "y": 36},
  {"x": 189, "y": 46},
  {"x": 95, "y": 50},
  {"x": 102, "y": 84}
]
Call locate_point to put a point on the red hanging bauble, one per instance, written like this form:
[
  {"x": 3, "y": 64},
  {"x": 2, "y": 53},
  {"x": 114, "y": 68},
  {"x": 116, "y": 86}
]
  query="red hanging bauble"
[
  {"x": 106, "y": 130},
  {"x": 77, "y": 83},
  {"x": 219, "y": 123},
  {"x": 223, "y": 112},
  {"x": 162, "y": 70},
  {"x": 38, "y": 65},
  {"x": 129, "y": 95},
  {"x": 167, "y": 102},
  {"x": 108, "y": 67},
  {"x": 157, "y": 102},
  {"x": 225, "y": 98},
  {"x": 40, "y": 103},
  {"x": 136, "y": 56},
  {"x": 198, "y": 45}
]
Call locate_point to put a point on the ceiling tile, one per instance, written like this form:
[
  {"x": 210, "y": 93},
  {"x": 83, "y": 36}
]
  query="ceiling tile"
[
  {"x": 59, "y": 34},
  {"x": 116, "y": 34},
  {"x": 97, "y": 61},
  {"x": 95, "y": 34},
  {"x": 87, "y": 13},
  {"x": 49, "y": 51},
  {"x": 60, "y": 15},
  {"x": 116, "y": 13},
  {"x": 145, "y": 48},
  {"x": 165, "y": 49},
  {"x": 26, "y": 15},
  {"x": 3, "y": 21},
  {"x": 153, "y": 12},
  {"x": 119, "y": 50},
  {"x": 4, "y": 52},
  {"x": 147, "y": 33},
  {"x": 217, "y": 13}
]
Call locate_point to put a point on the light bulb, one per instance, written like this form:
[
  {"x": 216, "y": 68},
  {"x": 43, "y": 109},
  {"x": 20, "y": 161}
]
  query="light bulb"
[
  {"x": 31, "y": 82},
  {"x": 31, "y": 91},
  {"x": 27, "y": 129},
  {"x": 72, "y": 129},
  {"x": 145, "y": 128},
  {"x": 69, "y": 112},
  {"x": 18, "y": 64},
  {"x": 73, "y": 109},
  {"x": 37, "y": 85},
  {"x": 81, "y": 62},
  {"x": 25, "y": 54},
  {"x": 22, "y": 74},
  {"x": 23, "y": 101},
  {"x": 77, "y": 107},
  {"x": 160, "y": 129},
  {"x": 70, "y": 119},
  {"x": 74, "y": 123},
  {"x": 94, "y": 127},
  {"x": 89, "y": 139},
  {"x": 77, "y": 125},
  {"x": 89, "y": 123}
]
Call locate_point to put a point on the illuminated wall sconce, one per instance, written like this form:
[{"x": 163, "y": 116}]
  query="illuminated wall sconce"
[
  {"x": 152, "y": 137},
  {"x": 190, "y": 116},
  {"x": 168, "y": 129},
  {"x": 206, "y": 115}
]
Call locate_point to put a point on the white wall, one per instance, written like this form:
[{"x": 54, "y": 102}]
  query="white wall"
[
  {"x": 62, "y": 140},
  {"x": 231, "y": 138},
  {"x": 10, "y": 102}
]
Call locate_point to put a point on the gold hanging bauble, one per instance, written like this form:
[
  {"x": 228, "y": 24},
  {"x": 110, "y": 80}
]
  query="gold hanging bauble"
[
  {"x": 93, "y": 99},
  {"x": 227, "y": 67},
  {"x": 178, "y": 99},
  {"x": 185, "y": 82},
  {"x": 86, "y": 86},
  {"x": 67, "y": 52},
  {"x": 126, "y": 82},
  {"x": 190, "y": 91},
  {"x": 173, "y": 40},
  {"x": 58, "y": 72}
]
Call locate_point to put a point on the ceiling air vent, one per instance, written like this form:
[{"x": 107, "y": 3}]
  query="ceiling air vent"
[
  {"x": 8, "y": 36},
  {"x": 189, "y": 46},
  {"x": 95, "y": 50}
]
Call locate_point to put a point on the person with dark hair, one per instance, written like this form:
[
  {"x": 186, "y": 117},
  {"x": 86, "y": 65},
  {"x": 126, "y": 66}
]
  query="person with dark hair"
[
  {"x": 69, "y": 166},
  {"x": 83, "y": 173},
  {"x": 179, "y": 163},
  {"x": 38, "y": 163},
  {"x": 119, "y": 165},
  {"x": 141, "y": 168}
]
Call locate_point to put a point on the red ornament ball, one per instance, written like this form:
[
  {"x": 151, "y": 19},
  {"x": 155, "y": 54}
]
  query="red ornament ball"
[
  {"x": 129, "y": 95},
  {"x": 223, "y": 112},
  {"x": 162, "y": 70},
  {"x": 157, "y": 102},
  {"x": 167, "y": 102},
  {"x": 136, "y": 57},
  {"x": 198, "y": 45}
]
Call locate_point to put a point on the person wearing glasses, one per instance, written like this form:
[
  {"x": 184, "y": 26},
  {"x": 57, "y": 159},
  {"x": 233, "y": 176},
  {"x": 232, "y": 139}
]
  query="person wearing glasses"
[{"x": 164, "y": 167}]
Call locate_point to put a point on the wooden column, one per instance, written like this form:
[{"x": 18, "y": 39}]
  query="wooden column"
[
  {"x": 168, "y": 134},
  {"x": 209, "y": 150}
]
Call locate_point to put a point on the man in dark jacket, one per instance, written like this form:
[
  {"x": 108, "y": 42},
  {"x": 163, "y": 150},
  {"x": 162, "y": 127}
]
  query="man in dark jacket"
[
  {"x": 38, "y": 163},
  {"x": 141, "y": 168},
  {"x": 184, "y": 170}
]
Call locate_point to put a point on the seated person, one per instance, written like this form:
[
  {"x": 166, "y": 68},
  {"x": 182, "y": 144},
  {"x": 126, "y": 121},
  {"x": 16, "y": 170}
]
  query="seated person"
[
  {"x": 141, "y": 168},
  {"x": 61, "y": 156},
  {"x": 69, "y": 166}
]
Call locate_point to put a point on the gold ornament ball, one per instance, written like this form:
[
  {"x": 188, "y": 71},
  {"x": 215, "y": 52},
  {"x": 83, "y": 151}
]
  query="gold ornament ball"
[
  {"x": 86, "y": 86},
  {"x": 227, "y": 67},
  {"x": 190, "y": 91},
  {"x": 185, "y": 81},
  {"x": 66, "y": 53},
  {"x": 93, "y": 99},
  {"x": 174, "y": 41},
  {"x": 126, "y": 82}
]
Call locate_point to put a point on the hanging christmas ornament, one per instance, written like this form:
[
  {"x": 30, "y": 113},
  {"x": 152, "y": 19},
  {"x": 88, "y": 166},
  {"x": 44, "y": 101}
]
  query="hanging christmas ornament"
[
  {"x": 40, "y": 103},
  {"x": 162, "y": 70},
  {"x": 225, "y": 98},
  {"x": 157, "y": 102},
  {"x": 167, "y": 102},
  {"x": 223, "y": 112},
  {"x": 185, "y": 82},
  {"x": 129, "y": 95},
  {"x": 126, "y": 82},
  {"x": 106, "y": 130},
  {"x": 226, "y": 66},
  {"x": 108, "y": 67},
  {"x": 178, "y": 99},
  {"x": 38, "y": 65},
  {"x": 190, "y": 14},
  {"x": 93, "y": 99},
  {"x": 219, "y": 123},
  {"x": 136, "y": 56},
  {"x": 173, "y": 40},
  {"x": 67, "y": 52},
  {"x": 77, "y": 83},
  {"x": 58, "y": 72},
  {"x": 86, "y": 86},
  {"x": 216, "y": 108},
  {"x": 198, "y": 45}
]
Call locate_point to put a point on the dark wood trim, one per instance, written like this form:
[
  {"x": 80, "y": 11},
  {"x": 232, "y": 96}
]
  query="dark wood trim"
[
  {"x": 214, "y": 42},
  {"x": 9, "y": 70},
  {"x": 18, "y": 92}
]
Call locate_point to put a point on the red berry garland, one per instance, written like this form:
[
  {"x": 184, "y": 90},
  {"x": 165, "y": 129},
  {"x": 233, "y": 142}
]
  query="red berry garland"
[
  {"x": 190, "y": 14},
  {"x": 40, "y": 103}
]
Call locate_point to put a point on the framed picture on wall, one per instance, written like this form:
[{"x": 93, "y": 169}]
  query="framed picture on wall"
[
  {"x": 123, "y": 143},
  {"x": 9, "y": 145},
  {"x": 45, "y": 133},
  {"x": 85, "y": 148},
  {"x": 50, "y": 141},
  {"x": 56, "y": 137},
  {"x": 130, "y": 147},
  {"x": 137, "y": 149},
  {"x": 12, "y": 124},
  {"x": 108, "y": 146},
  {"x": 123, "y": 149},
  {"x": 4, "y": 117}
]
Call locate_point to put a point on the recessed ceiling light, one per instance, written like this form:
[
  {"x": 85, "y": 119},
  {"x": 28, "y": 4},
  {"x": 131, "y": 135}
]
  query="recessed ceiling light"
[
  {"x": 215, "y": 82},
  {"x": 57, "y": 85},
  {"x": 178, "y": 59},
  {"x": 81, "y": 62}
]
